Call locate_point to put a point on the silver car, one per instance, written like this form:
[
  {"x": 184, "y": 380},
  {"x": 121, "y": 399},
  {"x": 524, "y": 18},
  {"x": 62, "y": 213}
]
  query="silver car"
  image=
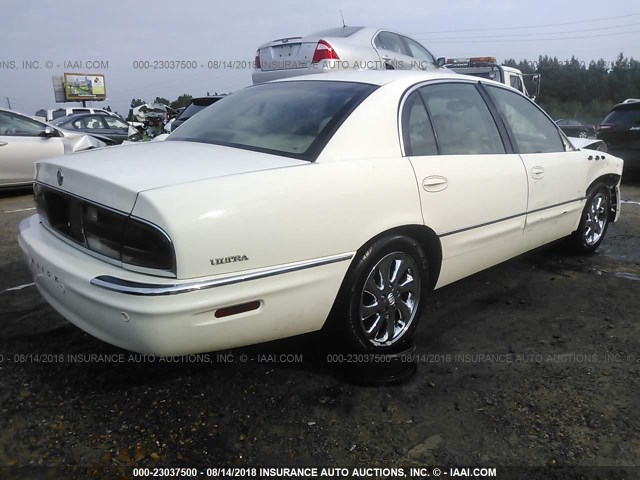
[
  {"x": 24, "y": 140},
  {"x": 344, "y": 48}
]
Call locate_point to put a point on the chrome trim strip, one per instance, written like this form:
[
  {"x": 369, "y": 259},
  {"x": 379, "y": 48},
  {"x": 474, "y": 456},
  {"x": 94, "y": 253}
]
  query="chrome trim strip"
[
  {"x": 511, "y": 217},
  {"x": 153, "y": 290}
]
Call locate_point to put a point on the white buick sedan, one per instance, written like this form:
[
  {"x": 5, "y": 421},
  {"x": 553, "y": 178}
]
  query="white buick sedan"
[{"x": 334, "y": 201}]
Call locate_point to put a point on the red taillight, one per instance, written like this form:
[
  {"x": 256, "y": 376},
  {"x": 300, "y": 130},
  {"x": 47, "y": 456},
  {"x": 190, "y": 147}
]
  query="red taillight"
[
  {"x": 324, "y": 51},
  {"x": 257, "y": 62},
  {"x": 604, "y": 126}
]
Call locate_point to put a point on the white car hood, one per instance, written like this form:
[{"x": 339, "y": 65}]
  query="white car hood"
[{"x": 113, "y": 176}]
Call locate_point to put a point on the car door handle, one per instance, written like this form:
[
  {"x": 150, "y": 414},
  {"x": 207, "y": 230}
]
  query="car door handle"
[
  {"x": 537, "y": 172},
  {"x": 435, "y": 183},
  {"x": 2, "y": 144}
]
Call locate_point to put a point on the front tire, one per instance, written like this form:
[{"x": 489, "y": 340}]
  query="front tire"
[
  {"x": 593, "y": 222},
  {"x": 383, "y": 296}
]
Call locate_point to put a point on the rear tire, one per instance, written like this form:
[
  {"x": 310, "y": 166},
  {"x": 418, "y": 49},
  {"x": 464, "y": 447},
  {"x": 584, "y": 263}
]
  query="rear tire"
[
  {"x": 382, "y": 297},
  {"x": 593, "y": 222}
]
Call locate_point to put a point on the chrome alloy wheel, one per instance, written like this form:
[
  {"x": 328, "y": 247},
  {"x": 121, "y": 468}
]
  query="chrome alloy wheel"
[
  {"x": 596, "y": 220},
  {"x": 389, "y": 299}
]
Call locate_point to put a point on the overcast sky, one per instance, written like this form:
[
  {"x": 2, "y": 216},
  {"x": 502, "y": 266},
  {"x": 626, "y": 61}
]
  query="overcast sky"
[{"x": 120, "y": 33}]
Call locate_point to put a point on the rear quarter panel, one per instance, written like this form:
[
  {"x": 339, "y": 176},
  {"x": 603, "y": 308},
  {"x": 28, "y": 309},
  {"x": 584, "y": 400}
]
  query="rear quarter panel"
[{"x": 282, "y": 215}]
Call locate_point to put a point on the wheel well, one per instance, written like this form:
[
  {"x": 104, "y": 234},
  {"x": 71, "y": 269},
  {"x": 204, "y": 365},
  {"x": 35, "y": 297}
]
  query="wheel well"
[
  {"x": 427, "y": 239},
  {"x": 610, "y": 181}
]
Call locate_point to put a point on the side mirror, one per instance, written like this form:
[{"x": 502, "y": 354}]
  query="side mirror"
[
  {"x": 49, "y": 132},
  {"x": 536, "y": 84},
  {"x": 441, "y": 62}
]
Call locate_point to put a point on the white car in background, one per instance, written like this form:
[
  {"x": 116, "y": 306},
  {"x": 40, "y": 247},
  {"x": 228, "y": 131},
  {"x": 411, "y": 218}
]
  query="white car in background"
[
  {"x": 338, "y": 49},
  {"x": 53, "y": 113},
  {"x": 23, "y": 141},
  {"x": 334, "y": 201}
]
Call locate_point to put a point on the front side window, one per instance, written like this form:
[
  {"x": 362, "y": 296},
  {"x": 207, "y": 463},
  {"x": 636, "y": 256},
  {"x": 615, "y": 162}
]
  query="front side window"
[
  {"x": 294, "y": 119},
  {"x": 534, "y": 132},
  {"x": 15, "y": 125},
  {"x": 461, "y": 119}
]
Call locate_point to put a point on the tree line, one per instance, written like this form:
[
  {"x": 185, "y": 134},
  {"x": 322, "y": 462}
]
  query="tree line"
[{"x": 575, "y": 89}]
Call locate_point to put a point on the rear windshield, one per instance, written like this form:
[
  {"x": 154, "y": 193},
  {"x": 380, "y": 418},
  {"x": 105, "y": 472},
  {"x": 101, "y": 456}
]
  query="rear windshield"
[
  {"x": 342, "y": 32},
  {"x": 627, "y": 116},
  {"x": 294, "y": 119}
]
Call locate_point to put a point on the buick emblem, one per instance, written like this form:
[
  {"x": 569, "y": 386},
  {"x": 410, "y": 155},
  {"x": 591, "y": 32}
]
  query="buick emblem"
[{"x": 60, "y": 177}]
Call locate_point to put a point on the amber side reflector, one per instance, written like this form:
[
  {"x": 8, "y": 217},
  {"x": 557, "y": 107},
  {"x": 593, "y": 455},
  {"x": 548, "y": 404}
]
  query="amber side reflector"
[{"x": 236, "y": 309}]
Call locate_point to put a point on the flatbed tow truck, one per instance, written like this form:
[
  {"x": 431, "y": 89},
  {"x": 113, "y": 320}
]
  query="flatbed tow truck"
[{"x": 488, "y": 67}]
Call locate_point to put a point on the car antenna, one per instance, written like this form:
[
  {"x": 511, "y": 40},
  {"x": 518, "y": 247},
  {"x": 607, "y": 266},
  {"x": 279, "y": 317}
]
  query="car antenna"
[{"x": 342, "y": 16}]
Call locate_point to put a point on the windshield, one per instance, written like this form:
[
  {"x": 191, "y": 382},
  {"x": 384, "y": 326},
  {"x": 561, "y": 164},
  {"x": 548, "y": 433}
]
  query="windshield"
[{"x": 294, "y": 119}]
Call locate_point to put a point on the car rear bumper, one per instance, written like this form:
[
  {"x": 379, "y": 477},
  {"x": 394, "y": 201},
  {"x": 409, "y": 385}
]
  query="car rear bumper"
[{"x": 291, "y": 302}]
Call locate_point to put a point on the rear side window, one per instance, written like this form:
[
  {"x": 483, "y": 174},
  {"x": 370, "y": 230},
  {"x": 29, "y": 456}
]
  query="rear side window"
[
  {"x": 391, "y": 42},
  {"x": 294, "y": 119},
  {"x": 418, "y": 51},
  {"x": 461, "y": 120},
  {"x": 417, "y": 130},
  {"x": 534, "y": 132}
]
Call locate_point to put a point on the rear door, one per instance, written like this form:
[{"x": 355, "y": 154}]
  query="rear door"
[
  {"x": 22, "y": 144},
  {"x": 473, "y": 188}
]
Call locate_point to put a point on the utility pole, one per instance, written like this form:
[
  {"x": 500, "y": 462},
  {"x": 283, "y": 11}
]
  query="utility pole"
[{"x": 9, "y": 103}]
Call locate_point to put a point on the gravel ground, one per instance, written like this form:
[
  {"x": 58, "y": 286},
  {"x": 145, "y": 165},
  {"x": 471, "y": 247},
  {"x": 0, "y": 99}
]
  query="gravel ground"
[{"x": 534, "y": 362}]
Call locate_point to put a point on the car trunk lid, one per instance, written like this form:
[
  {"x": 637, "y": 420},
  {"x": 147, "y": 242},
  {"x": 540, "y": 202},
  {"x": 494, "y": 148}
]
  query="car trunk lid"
[
  {"x": 288, "y": 53},
  {"x": 114, "y": 176}
]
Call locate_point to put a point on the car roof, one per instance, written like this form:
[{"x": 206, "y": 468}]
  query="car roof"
[
  {"x": 75, "y": 116},
  {"x": 626, "y": 105},
  {"x": 383, "y": 77}
]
